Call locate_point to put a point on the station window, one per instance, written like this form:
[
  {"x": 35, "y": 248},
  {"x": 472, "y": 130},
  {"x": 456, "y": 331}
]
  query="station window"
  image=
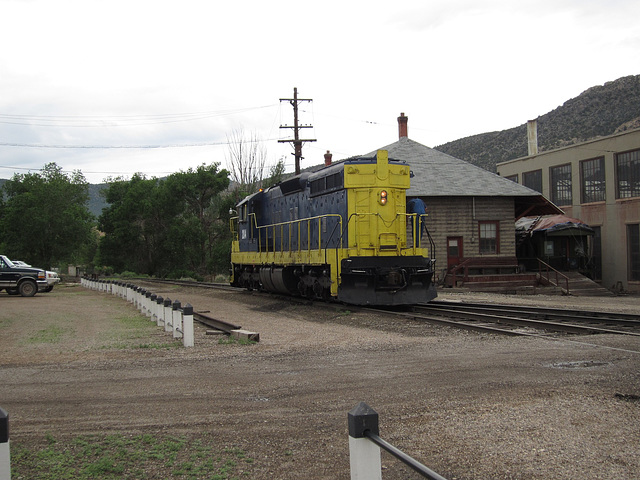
[
  {"x": 560, "y": 176},
  {"x": 592, "y": 180},
  {"x": 633, "y": 243},
  {"x": 628, "y": 174},
  {"x": 489, "y": 237},
  {"x": 533, "y": 180},
  {"x": 513, "y": 178}
]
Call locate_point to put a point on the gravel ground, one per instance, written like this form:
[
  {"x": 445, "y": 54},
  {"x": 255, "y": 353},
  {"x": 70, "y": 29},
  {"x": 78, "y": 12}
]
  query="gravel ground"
[{"x": 465, "y": 404}]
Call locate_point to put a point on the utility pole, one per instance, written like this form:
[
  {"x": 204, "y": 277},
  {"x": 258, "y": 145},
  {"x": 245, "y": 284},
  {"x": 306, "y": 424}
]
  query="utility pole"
[{"x": 297, "y": 141}]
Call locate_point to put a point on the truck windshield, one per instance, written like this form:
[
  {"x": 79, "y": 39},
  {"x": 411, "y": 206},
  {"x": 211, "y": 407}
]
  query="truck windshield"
[{"x": 6, "y": 262}]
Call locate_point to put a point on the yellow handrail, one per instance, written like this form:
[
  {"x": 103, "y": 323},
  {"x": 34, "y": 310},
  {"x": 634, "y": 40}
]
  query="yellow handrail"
[{"x": 255, "y": 230}]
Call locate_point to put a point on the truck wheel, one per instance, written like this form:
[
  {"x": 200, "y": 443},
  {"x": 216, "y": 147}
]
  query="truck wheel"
[
  {"x": 28, "y": 288},
  {"x": 13, "y": 291}
]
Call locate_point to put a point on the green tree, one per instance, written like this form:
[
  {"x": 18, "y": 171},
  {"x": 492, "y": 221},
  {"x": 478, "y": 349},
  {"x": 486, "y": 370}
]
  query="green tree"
[
  {"x": 45, "y": 220},
  {"x": 197, "y": 192},
  {"x": 132, "y": 226},
  {"x": 165, "y": 227},
  {"x": 276, "y": 173}
]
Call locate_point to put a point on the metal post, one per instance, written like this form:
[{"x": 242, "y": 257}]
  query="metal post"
[
  {"x": 5, "y": 457},
  {"x": 364, "y": 455}
]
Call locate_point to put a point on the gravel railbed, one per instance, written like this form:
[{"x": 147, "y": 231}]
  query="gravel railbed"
[{"x": 467, "y": 405}]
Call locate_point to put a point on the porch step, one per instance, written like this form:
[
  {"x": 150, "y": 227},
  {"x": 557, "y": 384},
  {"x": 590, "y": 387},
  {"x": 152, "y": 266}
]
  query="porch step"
[{"x": 581, "y": 286}]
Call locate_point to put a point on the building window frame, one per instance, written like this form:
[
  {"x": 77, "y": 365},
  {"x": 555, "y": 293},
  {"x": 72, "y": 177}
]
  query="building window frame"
[
  {"x": 627, "y": 174},
  {"x": 560, "y": 184},
  {"x": 489, "y": 237},
  {"x": 513, "y": 178},
  {"x": 592, "y": 180},
  {"x": 533, "y": 180}
]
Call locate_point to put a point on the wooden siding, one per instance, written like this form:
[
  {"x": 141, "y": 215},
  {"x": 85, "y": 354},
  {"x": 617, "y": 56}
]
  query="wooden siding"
[{"x": 459, "y": 216}]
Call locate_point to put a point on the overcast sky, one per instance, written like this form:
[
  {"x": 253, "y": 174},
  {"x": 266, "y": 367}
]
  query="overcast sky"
[{"x": 176, "y": 78}]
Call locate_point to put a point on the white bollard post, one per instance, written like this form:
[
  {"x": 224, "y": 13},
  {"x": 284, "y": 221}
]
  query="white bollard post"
[
  {"x": 168, "y": 315},
  {"x": 150, "y": 301},
  {"x": 160, "y": 311},
  {"x": 364, "y": 455},
  {"x": 5, "y": 454},
  {"x": 187, "y": 326},
  {"x": 176, "y": 320},
  {"x": 141, "y": 293},
  {"x": 139, "y": 297},
  {"x": 146, "y": 303},
  {"x": 152, "y": 308}
]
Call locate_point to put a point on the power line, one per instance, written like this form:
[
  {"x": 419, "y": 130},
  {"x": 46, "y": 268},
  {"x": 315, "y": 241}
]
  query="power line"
[
  {"x": 124, "y": 147},
  {"x": 96, "y": 121}
]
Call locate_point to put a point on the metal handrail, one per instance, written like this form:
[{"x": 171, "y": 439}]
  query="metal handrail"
[
  {"x": 403, "y": 457},
  {"x": 257, "y": 229},
  {"x": 558, "y": 275}
]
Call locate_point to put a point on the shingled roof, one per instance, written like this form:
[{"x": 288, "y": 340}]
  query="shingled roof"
[{"x": 438, "y": 174}]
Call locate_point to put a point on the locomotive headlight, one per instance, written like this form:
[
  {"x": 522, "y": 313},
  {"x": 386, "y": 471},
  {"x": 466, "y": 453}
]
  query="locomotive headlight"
[{"x": 383, "y": 197}]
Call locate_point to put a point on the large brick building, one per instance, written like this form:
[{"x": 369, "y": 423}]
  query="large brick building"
[{"x": 599, "y": 183}]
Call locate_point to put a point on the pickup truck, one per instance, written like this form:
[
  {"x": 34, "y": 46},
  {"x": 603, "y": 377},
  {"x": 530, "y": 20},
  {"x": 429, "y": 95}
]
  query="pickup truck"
[{"x": 25, "y": 281}]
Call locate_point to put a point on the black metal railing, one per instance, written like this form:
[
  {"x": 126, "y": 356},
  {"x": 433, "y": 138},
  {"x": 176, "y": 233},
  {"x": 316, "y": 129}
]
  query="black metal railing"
[{"x": 363, "y": 424}]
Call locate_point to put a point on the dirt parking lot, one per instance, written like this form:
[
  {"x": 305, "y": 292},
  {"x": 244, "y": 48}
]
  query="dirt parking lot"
[{"x": 467, "y": 405}]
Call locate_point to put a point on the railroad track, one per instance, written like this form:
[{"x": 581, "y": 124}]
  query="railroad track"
[
  {"x": 484, "y": 317},
  {"x": 525, "y": 320}
]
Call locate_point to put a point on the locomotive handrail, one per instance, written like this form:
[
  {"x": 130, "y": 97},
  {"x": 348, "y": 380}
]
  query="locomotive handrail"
[{"x": 290, "y": 223}]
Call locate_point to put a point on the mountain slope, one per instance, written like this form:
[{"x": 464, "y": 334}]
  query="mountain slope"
[{"x": 599, "y": 111}]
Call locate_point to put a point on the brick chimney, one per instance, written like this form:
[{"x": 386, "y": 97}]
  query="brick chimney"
[
  {"x": 532, "y": 137},
  {"x": 327, "y": 158},
  {"x": 402, "y": 125}
]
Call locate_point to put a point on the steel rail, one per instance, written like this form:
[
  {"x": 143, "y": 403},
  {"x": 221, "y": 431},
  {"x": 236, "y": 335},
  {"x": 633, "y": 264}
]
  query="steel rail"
[
  {"x": 545, "y": 312},
  {"x": 522, "y": 322},
  {"x": 215, "y": 323}
]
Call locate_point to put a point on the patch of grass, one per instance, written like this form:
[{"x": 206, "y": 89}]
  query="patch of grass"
[
  {"x": 50, "y": 334},
  {"x": 5, "y": 322},
  {"x": 128, "y": 456}
]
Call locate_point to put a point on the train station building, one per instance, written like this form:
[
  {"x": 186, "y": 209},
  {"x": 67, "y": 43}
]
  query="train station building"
[{"x": 471, "y": 211}]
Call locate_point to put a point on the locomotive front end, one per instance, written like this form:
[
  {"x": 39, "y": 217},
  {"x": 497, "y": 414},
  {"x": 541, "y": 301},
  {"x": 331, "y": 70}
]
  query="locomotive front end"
[{"x": 387, "y": 260}]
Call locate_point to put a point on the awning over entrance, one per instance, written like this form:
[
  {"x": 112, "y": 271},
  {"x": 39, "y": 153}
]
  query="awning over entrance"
[
  {"x": 534, "y": 206},
  {"x": 552, "y": 225}
]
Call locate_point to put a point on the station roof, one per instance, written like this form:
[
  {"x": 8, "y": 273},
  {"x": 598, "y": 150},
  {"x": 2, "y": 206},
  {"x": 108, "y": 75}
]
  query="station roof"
[{"x": 437, "y": 174}]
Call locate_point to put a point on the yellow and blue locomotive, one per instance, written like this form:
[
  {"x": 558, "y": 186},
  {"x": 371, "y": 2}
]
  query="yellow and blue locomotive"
[{"x": 342, "y": 232}]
